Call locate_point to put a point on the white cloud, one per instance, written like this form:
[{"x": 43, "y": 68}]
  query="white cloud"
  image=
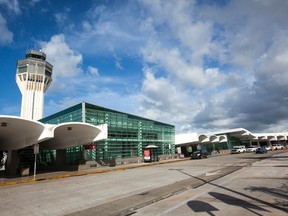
[
  {"x": 162, "y": 100},
  {"x": 177, "y": 18},
  {"x": 67, "y": 65},
  {"x": 273, "y": 65},
  {"x": 12, "y": 5},
  {"x": 109, "y": 30},
  {"x": 6, "y": 36},
  {"x": 33, "y": 2},
  {"x": 235, "y": 95},
  {"x": 61, "y": 18},
  {"x": 118, "y": 64},
  {"x": 71, "y": 85},
  {"x": 93, "y": 71},
  {"x": 206, "y": 66},
  {"x": 66, "y": 62},
  {"x": 175, "y": 63},
  {"x": 101, "y": 97}
]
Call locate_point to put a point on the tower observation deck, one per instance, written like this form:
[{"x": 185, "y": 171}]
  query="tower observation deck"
[{"x": 33, "y": 77}]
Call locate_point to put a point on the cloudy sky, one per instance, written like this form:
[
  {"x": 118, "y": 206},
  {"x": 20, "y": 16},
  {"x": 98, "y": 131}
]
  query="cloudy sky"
[{"x": 199, "y": 65}]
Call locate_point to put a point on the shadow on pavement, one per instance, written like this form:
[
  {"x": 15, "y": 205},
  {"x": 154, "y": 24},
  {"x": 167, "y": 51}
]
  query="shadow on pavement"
[
  {"x": 281, "y": 193},
  {"x": 230, "y": 200},
  {"x": 254, "y": 199},
  {"x": 200, "y": 206}
]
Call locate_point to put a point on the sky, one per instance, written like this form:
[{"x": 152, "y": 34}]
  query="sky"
[{"x": 201, "y": 65}]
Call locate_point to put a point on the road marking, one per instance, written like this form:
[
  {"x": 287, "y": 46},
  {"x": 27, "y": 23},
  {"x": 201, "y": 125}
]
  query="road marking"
[
  {"x": 213, "y": 173},
  {"x": 241, "y": 164}
]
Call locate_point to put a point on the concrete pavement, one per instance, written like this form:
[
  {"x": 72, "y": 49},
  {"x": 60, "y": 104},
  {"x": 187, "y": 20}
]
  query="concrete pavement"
[
  {"x": 260, "y": 188},
  {"x": 44, "y": 176},
  {"x": 129, "y": 190}
]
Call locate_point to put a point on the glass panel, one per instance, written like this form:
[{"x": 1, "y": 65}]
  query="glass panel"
[{"x": 128, "y": 135}]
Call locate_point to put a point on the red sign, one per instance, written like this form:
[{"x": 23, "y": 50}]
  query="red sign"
[
  {"x": 89, "y": 147},
  {"x": 146, "y": 154}
]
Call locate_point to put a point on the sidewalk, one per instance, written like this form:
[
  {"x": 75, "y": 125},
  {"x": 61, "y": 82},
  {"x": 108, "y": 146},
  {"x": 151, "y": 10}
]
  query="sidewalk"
[{"x": 4, "y": 181}]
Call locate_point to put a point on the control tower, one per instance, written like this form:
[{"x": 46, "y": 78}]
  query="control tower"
[{"x": 33, "y": 77}]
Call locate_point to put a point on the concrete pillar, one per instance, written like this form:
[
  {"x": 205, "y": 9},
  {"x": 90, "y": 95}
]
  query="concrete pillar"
[
  {"x": 60, "y": 158},
  {"x": 12, "y": 162},
  {"x": 85, "y": 156}
]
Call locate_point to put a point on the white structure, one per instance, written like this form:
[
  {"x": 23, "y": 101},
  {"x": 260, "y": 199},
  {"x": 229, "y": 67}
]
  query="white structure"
[
  {"x": 221, "y": 136},
  {"x": 18, "y": 133},
  {"x": 33, "y": 76}
]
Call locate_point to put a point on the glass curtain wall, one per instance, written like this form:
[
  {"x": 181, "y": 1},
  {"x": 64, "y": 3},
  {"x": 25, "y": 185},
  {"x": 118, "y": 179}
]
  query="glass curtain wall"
[{"x": 128, "y": 135}]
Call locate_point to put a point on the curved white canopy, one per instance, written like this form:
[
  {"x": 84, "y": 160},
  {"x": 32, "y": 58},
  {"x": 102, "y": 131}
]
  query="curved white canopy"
[
  {"x": 240, "y": 133},
  {"x": 72, "y": 134},
  {"x": 17, "y": 133}
]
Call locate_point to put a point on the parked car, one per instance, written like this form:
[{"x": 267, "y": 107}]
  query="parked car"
[
  {"x": 238, "y": 149},
  {"x": 251, "y": 148},
  {"x": 261, "y": 150},
  {"x": 199, "y": 154},
  {"x": 277, "y": 146}
]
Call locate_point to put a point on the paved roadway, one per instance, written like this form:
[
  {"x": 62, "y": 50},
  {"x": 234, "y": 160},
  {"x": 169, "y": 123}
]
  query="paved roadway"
[
  {"x": 225, "y": 185},
  {"x": 259, "y": 189}
]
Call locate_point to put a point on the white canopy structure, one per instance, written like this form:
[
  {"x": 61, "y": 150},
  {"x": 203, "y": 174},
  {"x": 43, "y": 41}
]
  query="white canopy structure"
[
  {"x": 68, "y": 135},
  {"x": 218, "y": 137},
  {"x": 17, "y": 133}
]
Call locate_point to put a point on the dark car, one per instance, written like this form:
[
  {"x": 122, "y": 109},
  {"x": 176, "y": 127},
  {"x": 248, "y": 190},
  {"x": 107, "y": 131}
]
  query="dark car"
[
  {"x": 261, "y": 150},
  {"x": 199, "y": 154}
]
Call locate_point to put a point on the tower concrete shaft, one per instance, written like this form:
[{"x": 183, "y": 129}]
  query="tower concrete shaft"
[{"x": 33, "y": 77}]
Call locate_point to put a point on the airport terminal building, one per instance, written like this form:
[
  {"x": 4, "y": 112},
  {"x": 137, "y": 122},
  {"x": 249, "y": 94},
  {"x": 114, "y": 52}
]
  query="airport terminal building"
[
  {"x": 80, "y": 137},
  {"x": 87, "y": 135},
  {"x": 128, "y": 136},
  {"x": 74, "y": 136},
  {"x": 224, "y": 141}
]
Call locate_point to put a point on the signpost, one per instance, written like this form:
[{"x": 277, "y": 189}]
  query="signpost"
[{"x": 36, "y": 151}]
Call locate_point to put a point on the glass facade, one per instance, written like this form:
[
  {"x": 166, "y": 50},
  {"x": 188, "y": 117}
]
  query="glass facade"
[{"x": 128, "y": 135}]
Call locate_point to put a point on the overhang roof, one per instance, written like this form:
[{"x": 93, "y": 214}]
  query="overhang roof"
[
  {"x": 72, "y": 134},
  {"x": 240, "y": 133},
  {"x": 17, "y": 133}
]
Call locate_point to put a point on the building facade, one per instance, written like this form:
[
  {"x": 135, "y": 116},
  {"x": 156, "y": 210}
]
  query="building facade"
[
  {"x": 224, "y": 141},
  {"x": 128, "y": 134},
  {"x": 33, "y": 77}
]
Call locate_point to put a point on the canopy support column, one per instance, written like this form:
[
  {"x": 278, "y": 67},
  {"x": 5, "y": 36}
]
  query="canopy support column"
[
  {"x": 60, "y": 158},
  {"x": 12, "y": 162}
]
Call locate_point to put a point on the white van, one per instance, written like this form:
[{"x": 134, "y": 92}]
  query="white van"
[{"x": 238, "y": 149}]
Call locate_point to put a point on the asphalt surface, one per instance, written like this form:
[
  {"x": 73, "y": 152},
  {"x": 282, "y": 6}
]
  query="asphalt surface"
[
  {"x": 45, "y": 176},
  {"x": 259, "y": 188},
  {"x": 129, "y": 191},
  {"x": 129, "y": 205}
]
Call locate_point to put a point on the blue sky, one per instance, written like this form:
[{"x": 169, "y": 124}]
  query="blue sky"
[{"x": 199, "y": 65}]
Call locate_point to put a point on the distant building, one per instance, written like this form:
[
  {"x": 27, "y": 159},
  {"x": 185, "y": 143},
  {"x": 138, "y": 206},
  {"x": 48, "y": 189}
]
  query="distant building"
[
  {"x": 33, "y": 76},
  {"x": 224, "y": 141}
]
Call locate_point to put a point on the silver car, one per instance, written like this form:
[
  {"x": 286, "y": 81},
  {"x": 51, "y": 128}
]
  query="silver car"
[{"x": 251, "y": 148}]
